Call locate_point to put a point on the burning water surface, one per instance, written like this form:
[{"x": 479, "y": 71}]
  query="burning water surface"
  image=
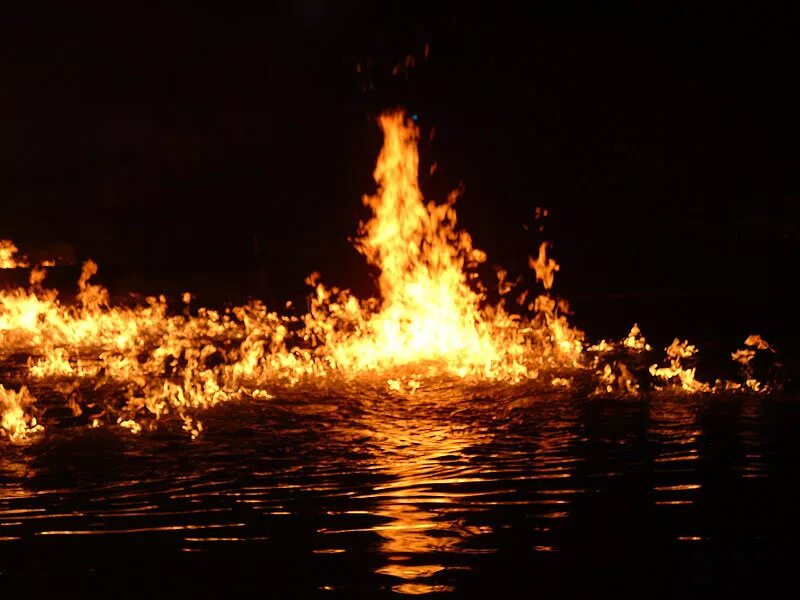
[{"x": 95, "y": 364}]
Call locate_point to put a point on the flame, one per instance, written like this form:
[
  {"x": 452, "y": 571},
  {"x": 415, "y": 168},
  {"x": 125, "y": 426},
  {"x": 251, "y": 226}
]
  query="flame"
[
  {"x": 432, "y": 320},
  {"x": 545, "y": 267},
  {"x": 616, "y": 377},
  {"x": 16, "y": 422},
  {"x": 676, "y": 353},
  {"x": 8, "y": 259},
  {"x": 635, "y": 340},
  {"x": 744, "y": 356},
  {"x": 428, "y": 311}
]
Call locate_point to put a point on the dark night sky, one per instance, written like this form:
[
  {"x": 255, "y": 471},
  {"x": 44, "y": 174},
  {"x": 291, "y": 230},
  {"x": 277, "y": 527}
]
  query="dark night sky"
[{"x": 162, "y": 143}]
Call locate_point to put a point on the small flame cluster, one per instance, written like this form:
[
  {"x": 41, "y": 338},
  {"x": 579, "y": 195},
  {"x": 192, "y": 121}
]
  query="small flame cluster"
[{"x": 432, "y": 320}]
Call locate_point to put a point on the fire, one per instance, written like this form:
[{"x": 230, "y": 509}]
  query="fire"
[
  {"x": 16, "y": 422},
  {"x": 428, "y": 311},
  {"x": 8, "y": 260},
  {"x": 433, "y": 320},
  {"x": 677, "y": 352}
]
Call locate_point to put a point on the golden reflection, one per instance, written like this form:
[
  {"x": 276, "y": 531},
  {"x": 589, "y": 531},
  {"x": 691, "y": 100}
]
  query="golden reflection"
[
  {"x": 442, "y": 462},
  {"x": 752, "y": 439},
  {"x": 422, "y": 449},
  {"x": 153, "y": 529},
  {"x": 673, "y": 426},
  {"x": 15, "y": 469},
  {"x": 413, "y": 589}
]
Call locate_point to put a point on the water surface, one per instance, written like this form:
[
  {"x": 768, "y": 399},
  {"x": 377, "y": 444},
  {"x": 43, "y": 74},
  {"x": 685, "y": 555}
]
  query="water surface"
[{"x": 549, "y": 494}]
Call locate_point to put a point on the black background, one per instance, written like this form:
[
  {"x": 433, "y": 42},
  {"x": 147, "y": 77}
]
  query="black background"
[{"x": 225, "y": 150}]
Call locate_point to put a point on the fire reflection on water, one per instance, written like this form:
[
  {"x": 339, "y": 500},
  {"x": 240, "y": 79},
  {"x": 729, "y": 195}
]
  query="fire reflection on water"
[
  {"x": 449, "y": 427},
  {"x": 420, "y": 451},
  {"x": 415, "y": 496},
  {"x": 449, "y": 466}
]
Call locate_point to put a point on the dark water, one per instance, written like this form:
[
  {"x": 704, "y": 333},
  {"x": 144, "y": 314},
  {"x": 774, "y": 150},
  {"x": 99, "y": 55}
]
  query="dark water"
[{"x": 533, "y": 494}]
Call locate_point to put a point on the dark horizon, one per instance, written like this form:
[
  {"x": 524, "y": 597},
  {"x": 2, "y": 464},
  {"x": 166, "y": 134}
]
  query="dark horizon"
[{"x": 229, "y": 149}]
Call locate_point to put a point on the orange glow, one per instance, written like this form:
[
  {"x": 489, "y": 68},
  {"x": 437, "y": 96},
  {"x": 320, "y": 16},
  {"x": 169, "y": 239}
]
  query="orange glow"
[
  {"x": 428, "y": 311},
  {"x": 8, "y": 258},
  {"x": 16, "y": 422},
  {"x": 432, "y": 320},
  {"x": 676, "y": 352}
]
